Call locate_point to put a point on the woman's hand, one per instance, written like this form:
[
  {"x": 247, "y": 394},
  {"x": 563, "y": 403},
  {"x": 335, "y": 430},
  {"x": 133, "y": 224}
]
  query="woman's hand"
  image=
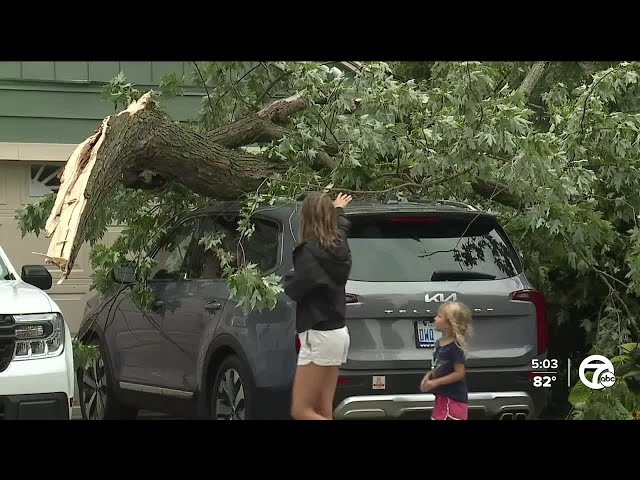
[{"x": 342, "y": 200}]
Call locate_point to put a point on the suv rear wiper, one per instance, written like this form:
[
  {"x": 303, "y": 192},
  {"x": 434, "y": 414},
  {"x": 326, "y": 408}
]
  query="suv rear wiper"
[{"x": 453, "y": 275}]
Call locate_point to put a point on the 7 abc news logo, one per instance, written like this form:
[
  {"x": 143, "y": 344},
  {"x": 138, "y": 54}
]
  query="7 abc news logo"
[{"x": 603, "y": 372}]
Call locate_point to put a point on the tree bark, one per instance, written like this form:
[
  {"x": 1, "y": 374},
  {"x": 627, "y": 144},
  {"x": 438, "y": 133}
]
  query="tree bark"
[
  {"x": 497, "y": 193},
  {"x": 141, "y": 138},
  {"x": 535, "y": 74},
  {"x": 258, "y": 127}
]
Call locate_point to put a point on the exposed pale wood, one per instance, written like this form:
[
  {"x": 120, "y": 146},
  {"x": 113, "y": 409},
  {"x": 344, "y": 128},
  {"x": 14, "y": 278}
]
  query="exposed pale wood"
[
  {"x": 62, "y": 225},
  {"x": 69, "y": 177}
]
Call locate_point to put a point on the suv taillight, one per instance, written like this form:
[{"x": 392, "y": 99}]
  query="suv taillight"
[
  {"x": 537, "y": 299},
  {"x": 297, "y": 343}
]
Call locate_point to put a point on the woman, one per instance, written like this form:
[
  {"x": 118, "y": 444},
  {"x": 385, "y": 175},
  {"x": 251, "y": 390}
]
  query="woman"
[{"x": 322, "y": 263}]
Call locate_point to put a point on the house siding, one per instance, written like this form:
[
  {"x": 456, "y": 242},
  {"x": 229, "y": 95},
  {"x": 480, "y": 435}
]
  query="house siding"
[{"x": 62, "y": 102}]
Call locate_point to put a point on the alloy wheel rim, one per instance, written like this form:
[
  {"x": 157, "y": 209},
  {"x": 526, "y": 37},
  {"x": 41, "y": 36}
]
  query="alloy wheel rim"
[
  {"x": 94, "y": 389},
  {"x": 229, "y": 398}
]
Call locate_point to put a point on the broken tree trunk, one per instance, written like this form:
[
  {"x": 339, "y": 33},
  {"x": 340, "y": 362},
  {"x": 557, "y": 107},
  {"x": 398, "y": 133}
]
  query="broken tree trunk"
[{"x": 142, "y": 138}]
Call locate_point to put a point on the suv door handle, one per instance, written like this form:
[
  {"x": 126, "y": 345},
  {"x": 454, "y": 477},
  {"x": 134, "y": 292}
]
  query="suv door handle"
[{"x": 213, "y": 306}]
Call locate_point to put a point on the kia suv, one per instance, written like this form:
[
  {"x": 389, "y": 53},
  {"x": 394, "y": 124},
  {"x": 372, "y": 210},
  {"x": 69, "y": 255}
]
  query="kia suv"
[{"x": 196, "y": 354}]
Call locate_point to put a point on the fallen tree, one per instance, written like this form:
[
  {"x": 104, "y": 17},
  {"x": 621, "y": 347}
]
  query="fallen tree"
[
  {"x": 561, "y": 175},
  {"x": 140, "y": 139}
]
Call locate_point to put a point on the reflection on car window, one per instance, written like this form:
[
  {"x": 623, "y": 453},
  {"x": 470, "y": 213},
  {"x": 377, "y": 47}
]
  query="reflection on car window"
[
  {"x": 170, "y": 259},
  {"x": 401, "y": 250},
  {"x": 186, "y": 256},
  {"x": 218, "y": 232},
  {"x": 261, "y": 248}
]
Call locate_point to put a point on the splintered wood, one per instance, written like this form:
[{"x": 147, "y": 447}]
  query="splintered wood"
[{"x": 71, "y": 202}]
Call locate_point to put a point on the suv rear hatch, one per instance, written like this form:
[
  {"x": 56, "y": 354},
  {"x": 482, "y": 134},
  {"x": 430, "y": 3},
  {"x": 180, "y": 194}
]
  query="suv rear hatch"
[{"x": 407, "y": 264}]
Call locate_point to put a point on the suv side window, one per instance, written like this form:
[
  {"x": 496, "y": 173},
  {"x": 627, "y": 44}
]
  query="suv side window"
[
  {"x": 262, "y": 248},
  {"x": 171, "y": 259},
  {"x": 203, "y": 263}
]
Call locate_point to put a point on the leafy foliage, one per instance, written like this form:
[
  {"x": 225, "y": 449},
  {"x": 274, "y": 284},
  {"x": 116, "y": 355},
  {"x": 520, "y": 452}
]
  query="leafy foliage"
[
  {"x": 559, "y": 165},
  {"x": 33, "y": 216},
  {"x": 83, "y": 354},
  {"x": 619, "y": 402}
]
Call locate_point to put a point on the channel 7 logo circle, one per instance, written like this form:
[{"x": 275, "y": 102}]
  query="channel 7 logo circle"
[{"x": 603, "y": 372}]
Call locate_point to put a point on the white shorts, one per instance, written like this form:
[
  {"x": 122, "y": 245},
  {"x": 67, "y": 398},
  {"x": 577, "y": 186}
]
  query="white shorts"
[{"x": 324, "y": 347}]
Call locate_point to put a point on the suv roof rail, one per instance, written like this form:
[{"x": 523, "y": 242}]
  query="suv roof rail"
[
  {"x": 390, "y": 199},
  {"x": 451, "y": 203}
]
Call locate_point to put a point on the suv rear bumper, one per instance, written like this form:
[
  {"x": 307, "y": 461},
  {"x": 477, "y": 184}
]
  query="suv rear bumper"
[
  {"x": 492, "y": 391},
  {"x": 501, "y": 405}
]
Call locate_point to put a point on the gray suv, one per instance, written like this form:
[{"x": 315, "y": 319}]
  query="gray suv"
[{"x": 195, "y": 354}]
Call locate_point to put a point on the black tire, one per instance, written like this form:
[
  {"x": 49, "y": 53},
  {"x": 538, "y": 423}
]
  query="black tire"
[
  {"x": 232, "y": 375},
  {"x": 95, "y": 388}
]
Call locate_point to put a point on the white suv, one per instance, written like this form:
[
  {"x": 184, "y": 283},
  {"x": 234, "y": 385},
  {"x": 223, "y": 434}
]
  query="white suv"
[{"x": 36, "y": 354}]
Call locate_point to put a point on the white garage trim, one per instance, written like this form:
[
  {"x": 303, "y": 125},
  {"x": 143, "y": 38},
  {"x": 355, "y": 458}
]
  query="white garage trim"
[{"x": 38, "y": 152}]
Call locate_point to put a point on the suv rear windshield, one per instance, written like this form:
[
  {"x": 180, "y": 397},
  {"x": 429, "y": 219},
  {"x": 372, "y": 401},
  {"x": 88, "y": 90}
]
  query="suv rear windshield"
[{"x": 412, "y": 249}]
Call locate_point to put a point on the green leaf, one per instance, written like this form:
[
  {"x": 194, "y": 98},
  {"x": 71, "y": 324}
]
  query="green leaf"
[{"x": 580, "y": 393}]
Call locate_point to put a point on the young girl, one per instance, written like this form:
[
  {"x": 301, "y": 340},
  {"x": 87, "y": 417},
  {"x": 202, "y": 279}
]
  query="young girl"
[
  {"x": 446, "y": 380},
  {"x": 322, "y": 263}
]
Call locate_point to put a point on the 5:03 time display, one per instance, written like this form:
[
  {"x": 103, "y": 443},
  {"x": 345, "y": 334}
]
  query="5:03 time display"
[{"x": 545, "y": 363}]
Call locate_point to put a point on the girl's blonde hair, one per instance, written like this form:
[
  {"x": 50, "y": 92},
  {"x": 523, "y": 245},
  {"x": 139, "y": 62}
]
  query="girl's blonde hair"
[
  {"x": 318, "y": 220},
  {"x": 459, "y": 316}
]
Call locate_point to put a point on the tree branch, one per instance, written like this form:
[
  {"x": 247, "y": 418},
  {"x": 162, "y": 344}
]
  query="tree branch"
[
  {"x": 206, "y": 88},
  {"x": 498, "y": 193},
  {"x": 535, "y": 74},
  {"x": 260, "y": 126},
  {"x": 271, "y": 85}
]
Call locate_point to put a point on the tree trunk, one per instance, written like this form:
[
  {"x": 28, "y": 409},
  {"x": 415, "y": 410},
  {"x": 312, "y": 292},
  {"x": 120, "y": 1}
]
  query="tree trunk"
[
  {"x": 497, "y": 193},
  {"x": 535, "y": 74},
  {"x": 141, "y": 138}
]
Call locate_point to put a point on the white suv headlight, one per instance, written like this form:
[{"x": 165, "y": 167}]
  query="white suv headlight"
[{"x": 38, "y": 335}]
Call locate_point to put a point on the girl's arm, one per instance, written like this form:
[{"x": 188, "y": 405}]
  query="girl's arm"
[
  {"x": 455, "y": 376},
  {"x": 425, "y": 379},
  {"x": 344, "y": 225}
]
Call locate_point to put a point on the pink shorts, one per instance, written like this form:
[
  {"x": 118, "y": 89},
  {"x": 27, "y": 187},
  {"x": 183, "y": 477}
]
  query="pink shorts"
[{"x": 447, "y": 409}]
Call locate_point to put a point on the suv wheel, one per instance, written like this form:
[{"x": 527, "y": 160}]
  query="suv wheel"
[
  {"x": 231, "y": 392},
  {"x": 97, "y": 401}
]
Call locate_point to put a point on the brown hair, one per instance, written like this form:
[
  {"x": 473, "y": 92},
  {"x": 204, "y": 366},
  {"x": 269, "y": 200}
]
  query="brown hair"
[{"x": 318, "y": 220}]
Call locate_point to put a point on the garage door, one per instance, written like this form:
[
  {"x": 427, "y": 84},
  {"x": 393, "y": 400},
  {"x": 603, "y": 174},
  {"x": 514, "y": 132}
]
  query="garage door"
[{"x": 23, "y": 182}]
